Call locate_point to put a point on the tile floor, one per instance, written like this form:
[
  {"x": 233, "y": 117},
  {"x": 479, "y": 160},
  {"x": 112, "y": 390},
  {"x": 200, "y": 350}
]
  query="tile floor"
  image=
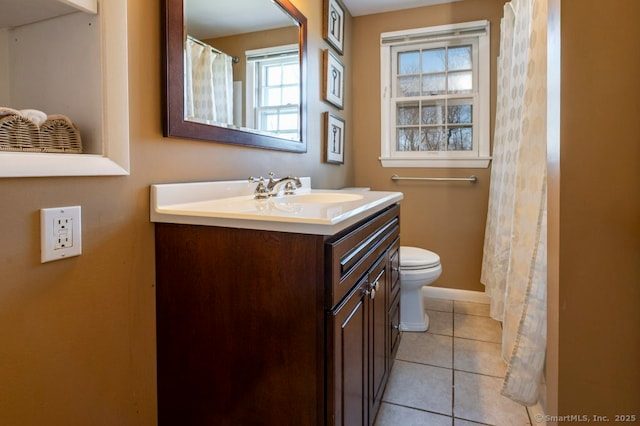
[{"x": 452, "y": 374}]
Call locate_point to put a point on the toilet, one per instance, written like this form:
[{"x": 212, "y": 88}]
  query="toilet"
[{"x": 418, "y": 268}]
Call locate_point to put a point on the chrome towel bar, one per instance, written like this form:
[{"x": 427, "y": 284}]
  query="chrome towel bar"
[{"x": 472, "y": 179}]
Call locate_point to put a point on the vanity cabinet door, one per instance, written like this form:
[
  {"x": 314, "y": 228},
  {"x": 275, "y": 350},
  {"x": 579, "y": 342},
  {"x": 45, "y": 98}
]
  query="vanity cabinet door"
[
  {"x": 393, "y": 329},
  {"x": 377, "y": 312},
  {"x": 347, "y": 343}
]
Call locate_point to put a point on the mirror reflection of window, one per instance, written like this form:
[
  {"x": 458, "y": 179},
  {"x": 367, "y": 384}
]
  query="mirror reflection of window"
[{"x": 273, "y": 90}]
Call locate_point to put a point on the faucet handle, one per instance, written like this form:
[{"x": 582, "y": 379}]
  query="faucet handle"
[
  {"x": 261, "y": 191},
  {"x": 289, "y": 188},
  {"x": 271, "y": 179}
]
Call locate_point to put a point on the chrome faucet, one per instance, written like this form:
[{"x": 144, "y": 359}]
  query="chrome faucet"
[
  {"x": 272, "y": 188},
  {"x": 288, "y": 181}
]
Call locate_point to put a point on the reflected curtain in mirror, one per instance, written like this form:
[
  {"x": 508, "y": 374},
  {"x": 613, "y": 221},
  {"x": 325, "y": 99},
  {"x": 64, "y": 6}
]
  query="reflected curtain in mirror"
[{"x": 208, "y": 83}]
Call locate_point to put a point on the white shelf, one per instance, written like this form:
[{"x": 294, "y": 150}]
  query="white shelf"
[{"x": 22, "y": 12}]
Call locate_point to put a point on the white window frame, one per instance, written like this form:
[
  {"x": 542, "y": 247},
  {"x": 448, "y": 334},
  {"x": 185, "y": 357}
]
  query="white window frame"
[
  {"x": 475, "y": 33},
  {"x": 253, "y": 58}
]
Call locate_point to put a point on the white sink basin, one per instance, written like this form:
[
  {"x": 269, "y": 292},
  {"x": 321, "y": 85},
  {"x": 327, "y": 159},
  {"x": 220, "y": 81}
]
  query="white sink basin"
[{"x": 232, "y": 204}]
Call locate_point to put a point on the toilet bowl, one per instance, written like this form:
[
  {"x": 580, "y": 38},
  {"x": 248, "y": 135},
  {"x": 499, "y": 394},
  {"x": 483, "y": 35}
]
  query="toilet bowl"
[{"x": 418, "y": 268}]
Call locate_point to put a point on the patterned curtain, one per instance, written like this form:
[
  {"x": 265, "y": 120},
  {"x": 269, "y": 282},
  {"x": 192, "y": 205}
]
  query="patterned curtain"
[
  {"x": 514, "y": 258},
  {"x": 208, "y": 85}
]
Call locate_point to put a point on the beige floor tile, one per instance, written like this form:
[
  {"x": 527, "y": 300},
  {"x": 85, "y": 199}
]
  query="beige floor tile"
[
  {"x": 477, "y": 398},
  {"x": 434, "y": 304},
  {"x": 420, "y": 386},
  {"x": 475, "y": 356},
  {"x": 440, "y": 322},
  {"x": 478, "y": 328},
  {"x": 395, "y": 415},
  {"x": 426, "y": 348},
  {"x": 469, "y": 308}
]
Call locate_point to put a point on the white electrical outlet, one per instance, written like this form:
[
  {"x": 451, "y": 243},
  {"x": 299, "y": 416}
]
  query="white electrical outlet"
[{"x": 60, "y": 232}]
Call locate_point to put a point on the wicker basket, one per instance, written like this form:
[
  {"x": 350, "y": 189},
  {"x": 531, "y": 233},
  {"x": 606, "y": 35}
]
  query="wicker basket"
[
  {"x": 59, "y": 134},
  {"x": 18, "y": 133}
]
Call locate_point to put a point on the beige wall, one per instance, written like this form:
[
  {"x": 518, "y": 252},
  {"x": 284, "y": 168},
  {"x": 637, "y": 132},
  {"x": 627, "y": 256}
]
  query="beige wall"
[
  {"x": 594, "y": 214},
  {"x": 77, "y": 336},
  {"x": 448, "y": 218}
]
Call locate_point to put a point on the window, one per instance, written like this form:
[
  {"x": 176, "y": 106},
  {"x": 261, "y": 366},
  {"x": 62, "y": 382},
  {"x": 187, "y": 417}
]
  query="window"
[
  {"x": 435, "y": 96},
  {"x": 273, "y": 85}
]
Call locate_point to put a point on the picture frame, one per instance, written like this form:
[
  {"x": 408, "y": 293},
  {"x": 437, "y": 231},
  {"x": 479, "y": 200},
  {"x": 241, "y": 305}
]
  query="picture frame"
[
  {"x": 333, "y": 79},
  {"x": 334, "y": 138},
  {"x": 333, "y": 24}
]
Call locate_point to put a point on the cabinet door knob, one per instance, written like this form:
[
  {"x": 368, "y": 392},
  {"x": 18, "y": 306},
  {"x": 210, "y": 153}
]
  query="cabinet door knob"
[{"x": 370, "y": 290}]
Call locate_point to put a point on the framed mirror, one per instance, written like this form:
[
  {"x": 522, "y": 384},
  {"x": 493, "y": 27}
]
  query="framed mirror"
[{"x": 235, "y": 72}]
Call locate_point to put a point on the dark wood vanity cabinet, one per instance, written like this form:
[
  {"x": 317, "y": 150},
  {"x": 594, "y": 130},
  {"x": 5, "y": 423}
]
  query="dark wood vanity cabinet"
[{"x": 274, "y": 328}]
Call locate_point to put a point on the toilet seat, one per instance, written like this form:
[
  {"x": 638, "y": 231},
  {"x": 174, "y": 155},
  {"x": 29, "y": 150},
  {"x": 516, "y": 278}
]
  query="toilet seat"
[{"x": 417, "y": 258}]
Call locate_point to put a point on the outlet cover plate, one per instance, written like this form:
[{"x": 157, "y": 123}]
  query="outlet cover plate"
[{"x": 60, "y": 233}]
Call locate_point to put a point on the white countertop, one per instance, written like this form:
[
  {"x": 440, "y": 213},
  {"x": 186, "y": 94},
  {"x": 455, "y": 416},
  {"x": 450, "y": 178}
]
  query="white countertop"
[{"x": 232, "y": 204}]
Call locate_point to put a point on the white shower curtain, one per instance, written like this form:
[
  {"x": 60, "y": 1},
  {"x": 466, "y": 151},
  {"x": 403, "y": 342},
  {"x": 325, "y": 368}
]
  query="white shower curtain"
[
  {"x": 208, "y": 85},
  {"x": 514, "y": 258}
]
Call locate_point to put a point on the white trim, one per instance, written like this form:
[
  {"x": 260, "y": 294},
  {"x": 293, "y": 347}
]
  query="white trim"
[
  {"x": 455, "y": 294},
  {"x": 272, "y": 52},
  {"x": 467, "y": 163},
  {"x": 449, "y": 31}
]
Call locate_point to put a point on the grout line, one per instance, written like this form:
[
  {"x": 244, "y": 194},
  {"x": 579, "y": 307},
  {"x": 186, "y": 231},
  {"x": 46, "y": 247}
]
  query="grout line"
[
  {"x": 453, "y": 372},
  {"x": 418, "y": 409},
  {"x": 423, "y": 363}
]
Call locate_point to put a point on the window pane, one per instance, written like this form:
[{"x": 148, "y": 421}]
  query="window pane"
[
  {"x": 408, "y": 139},
  {"x": 459, "y": 58},
  {"x": 433, "y": 114},
  {"x": 288, "y": 121},
  {"x": 290, "y": 95},
  {"x": 269, "y": 121},
  {"x": 433, "y": 60},
  {"x": 408, "y": 86},
  {"x": 459, "y": 113},
  {"x": 290, "y": 74},
  {"x": 408, "y": 114},
  {"x": 435, "y": 138},
  {"x": 460, "y": 139},
  {"x": 272, "y": 97},
  {"x": 433, "y": 84},
  {"x": 409, "y": 62},
  {"x": 274, "y": 76},
  {"x": 460, "y": 82}
]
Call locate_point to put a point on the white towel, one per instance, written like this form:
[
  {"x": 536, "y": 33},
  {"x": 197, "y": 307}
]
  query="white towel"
[{"x": 38, "y": 117}]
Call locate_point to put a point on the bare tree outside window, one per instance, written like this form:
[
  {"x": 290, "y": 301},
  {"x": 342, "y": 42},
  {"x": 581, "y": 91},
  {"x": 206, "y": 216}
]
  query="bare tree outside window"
[{"x": 434, "y": 78}]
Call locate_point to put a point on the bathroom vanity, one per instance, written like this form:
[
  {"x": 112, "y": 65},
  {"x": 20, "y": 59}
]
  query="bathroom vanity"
[{"x": 260, "y": 325}]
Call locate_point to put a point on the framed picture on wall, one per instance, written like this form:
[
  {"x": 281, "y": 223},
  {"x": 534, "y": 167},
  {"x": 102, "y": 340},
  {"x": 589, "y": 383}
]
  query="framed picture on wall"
[
  {"x": 333, "y": 24},
  {"x": 334, "y": 138},
  {"x": 333, "y": 80}
]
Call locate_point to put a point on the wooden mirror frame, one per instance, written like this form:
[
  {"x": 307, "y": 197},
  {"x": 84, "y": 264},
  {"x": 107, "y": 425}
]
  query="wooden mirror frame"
[{"x": 174, "y": 123}]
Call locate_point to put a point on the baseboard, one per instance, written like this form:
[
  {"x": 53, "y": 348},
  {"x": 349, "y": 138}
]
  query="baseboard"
[{"x": 455, "y": 294}]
